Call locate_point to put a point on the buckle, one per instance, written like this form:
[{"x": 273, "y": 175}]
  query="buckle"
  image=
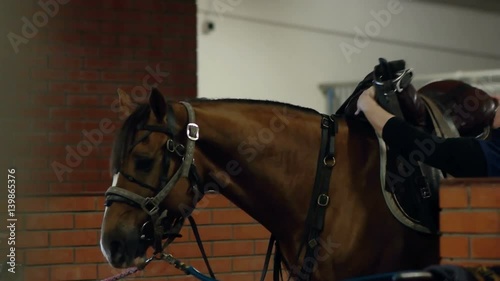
[
  {"x": 325, "y": 122},
  {"x": 149, "y": 206},
  {"x": 144, "y": 229},
  {"x": 425, "y": 192},
  {"x": 323, "y": 200},
  {"x": 170, "y": 145},
  {"x": 312, "y": 243},
  {"x": 329, "y": 161},
  {"x": 193, "y": 131},
  {"x": 403, "y": 80}
]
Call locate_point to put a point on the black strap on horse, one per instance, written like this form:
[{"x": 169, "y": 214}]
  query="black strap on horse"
[
  {"x": 200, "y": 245},
  {"x": 320, "y": 199},
  {"x": 269, "y": 251},
  {"x": 317, "y": 210}
]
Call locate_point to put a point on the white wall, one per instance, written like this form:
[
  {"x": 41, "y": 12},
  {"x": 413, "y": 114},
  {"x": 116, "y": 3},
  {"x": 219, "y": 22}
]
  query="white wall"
[{"x": 283, "y": 49}]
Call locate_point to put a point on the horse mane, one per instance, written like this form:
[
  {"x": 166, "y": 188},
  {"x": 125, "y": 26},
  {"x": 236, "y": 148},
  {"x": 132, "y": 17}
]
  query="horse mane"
[
  {"x": 256, "y": 102},
  {"x": 125, "y": 136}
]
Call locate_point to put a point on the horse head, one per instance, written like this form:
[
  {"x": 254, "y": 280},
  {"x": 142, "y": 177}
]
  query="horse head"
[{"x": 154, "y": 184}]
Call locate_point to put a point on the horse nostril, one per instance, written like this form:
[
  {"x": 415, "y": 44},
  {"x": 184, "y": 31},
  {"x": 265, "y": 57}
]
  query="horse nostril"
[
  {"x": 115, "y": 246},
  {"x": 117, "y": 253}
]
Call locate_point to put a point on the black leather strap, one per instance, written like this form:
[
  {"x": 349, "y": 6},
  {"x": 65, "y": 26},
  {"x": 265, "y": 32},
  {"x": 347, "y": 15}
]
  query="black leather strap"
[
  {"x": 278, "y": 258},
  {"x": 117, "y": 198},
  {"x": 268, "y": 258},
  {"x": 320, "y": 197},
  {"x": 200, "y": 245},
  {"x": 138, "y": 182},
  {"x": 383, "y": 76}
]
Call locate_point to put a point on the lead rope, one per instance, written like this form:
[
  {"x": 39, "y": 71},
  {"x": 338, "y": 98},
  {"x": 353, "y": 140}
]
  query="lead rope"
[
  {"x": 129, "y": 271},
  {"x": 189, "y": 270},
  {"x": 126, "y": 273}
]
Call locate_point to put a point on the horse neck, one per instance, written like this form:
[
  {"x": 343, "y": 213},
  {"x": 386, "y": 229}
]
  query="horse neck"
[{"x": 263, "y": 157}]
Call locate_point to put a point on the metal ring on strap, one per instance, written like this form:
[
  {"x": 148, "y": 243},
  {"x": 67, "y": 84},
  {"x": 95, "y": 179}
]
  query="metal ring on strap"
[{"x": 329, "y": 161}]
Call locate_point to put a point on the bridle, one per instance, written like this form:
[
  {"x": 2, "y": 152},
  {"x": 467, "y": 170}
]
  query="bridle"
[{"x": 151, "y": 205}]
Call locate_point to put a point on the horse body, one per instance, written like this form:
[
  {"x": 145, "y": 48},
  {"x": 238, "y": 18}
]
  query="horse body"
[
  {"x": 264, "y": 159},
  {"x": 263, "y": 156}
]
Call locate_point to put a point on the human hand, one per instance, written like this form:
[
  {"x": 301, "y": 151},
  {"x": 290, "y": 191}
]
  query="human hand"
[{"x": 366, "y": 100}]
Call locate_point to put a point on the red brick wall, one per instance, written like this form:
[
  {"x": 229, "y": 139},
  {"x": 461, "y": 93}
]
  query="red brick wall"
[
  {"x": 60, "y": 241},
  {"x": 78, "y": 60},
  {"x": 62, "y": 81},
  {"x": 470, "y": 221}
]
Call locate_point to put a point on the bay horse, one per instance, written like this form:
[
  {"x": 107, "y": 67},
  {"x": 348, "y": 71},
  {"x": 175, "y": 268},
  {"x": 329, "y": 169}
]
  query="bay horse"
[{"x": 262, "y": 156}]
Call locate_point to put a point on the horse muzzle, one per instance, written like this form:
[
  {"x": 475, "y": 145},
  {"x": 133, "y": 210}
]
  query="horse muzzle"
[{"x": 122, "y": 247}]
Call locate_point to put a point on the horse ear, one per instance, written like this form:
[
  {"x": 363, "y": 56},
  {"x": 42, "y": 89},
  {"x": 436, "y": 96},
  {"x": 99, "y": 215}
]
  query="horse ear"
[
  {"x": 125, "y": 102},
  {"x": 158, "y": 104}
]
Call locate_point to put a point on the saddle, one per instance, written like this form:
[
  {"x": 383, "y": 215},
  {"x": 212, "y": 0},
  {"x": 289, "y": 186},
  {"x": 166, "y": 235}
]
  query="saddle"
[{"x": 448, "y": 108}]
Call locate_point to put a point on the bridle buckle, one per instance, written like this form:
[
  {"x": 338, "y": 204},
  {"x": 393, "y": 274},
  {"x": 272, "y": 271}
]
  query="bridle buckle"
[
  {"x": 170, "y": 145},
  {"x": 323, "y": 200},
  {"x": 150, "y": 207},
  {"x": 193, "y": 131}
]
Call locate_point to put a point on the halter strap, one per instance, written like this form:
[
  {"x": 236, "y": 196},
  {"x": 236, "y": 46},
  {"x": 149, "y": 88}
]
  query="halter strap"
[{"x": 192, "y": 132}]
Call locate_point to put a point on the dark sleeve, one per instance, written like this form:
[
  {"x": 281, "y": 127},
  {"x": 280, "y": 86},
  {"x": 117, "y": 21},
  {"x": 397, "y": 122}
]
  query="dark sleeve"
[{"x": 459, "y": 157}]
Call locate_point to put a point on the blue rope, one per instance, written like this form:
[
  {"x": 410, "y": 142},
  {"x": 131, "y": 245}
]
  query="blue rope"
[
  {"x": 378, "y": 277},
  {"x": 193, "y": 271}
]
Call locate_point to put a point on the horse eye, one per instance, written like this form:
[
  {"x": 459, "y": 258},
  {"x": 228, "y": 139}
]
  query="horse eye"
[{"x": 144, "y": 164}]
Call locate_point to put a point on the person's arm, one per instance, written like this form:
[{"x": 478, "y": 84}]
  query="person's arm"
[{"x": 459, "y": 157}]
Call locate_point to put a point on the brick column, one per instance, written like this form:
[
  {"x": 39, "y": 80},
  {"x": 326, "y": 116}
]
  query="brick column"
[
  {"x": 62, "y": 83},
  {"x": 470, "y": 221}
]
